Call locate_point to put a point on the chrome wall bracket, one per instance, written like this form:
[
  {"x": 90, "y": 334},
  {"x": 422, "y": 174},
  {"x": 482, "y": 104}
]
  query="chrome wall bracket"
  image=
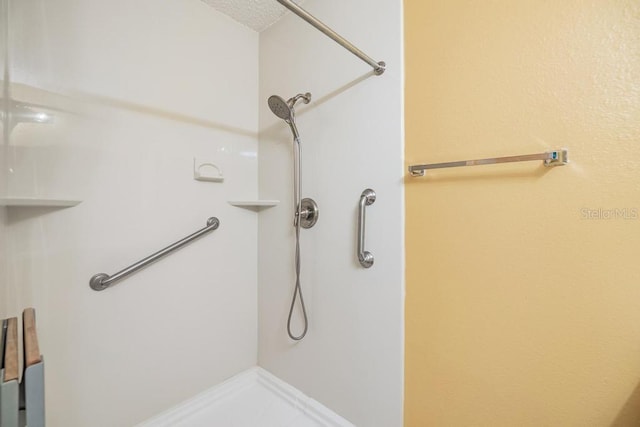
[
  {"x": 557, "y": 158},
  {"x": 309, "y": 213}
]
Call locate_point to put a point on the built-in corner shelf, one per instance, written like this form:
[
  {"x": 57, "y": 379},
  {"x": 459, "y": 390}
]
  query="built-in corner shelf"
[
  {"x": 37, "y": 202},
  {"x": 254, "y": 204}
]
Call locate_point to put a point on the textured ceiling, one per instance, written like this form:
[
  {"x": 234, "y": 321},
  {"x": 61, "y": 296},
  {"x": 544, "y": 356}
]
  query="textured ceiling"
[{"x": 255, "y": 14}]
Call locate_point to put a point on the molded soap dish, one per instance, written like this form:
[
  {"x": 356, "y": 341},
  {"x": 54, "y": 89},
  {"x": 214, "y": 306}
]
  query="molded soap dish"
[{"x": 212, "y": 172}]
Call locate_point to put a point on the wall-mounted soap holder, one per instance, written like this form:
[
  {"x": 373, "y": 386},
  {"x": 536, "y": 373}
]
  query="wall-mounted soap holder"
[{"x": 207, "y": 171}]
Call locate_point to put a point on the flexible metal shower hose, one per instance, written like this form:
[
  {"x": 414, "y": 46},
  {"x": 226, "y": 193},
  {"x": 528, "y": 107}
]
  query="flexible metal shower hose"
[{"x": 296, "y": 292}]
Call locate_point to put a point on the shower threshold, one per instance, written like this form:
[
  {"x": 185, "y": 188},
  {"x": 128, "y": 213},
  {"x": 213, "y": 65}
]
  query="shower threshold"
[{"x": 253, "y": 398}]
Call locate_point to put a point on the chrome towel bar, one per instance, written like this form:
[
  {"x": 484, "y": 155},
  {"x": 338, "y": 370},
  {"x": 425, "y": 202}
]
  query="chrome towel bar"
[
  {"x": 102, "y": 281},
  {"x": 378, "y": 67},
  {"x": 557, "y": 157}
]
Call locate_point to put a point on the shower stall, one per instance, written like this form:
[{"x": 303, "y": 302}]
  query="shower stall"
[{"x": 126, "y": 102}]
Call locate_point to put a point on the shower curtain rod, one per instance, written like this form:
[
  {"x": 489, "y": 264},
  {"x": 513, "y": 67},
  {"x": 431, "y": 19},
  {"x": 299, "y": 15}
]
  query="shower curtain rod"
[{"x": 378, "y": 67}]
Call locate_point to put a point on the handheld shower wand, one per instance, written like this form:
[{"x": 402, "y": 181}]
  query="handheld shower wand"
[
  {"x": 305, "y": 210},
  {"x": 284, "y": 110}
]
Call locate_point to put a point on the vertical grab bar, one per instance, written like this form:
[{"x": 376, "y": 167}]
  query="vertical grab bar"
[{"x": 367, "y": 198}]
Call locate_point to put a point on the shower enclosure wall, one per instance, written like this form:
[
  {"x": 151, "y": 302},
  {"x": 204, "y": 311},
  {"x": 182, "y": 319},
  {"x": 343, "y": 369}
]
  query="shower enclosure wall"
[
  {"x": 136, "y": 90},
  {"x": 351, "y": 359}
]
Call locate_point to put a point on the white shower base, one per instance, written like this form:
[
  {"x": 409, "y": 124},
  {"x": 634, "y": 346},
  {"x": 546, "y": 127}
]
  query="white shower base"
[{"x": 253, "y": 398}]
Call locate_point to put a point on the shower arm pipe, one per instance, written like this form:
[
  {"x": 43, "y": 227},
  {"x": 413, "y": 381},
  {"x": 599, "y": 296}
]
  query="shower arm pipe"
[
  {"x": 102, "y": 281},
  {"x": 378, "y": 67}
]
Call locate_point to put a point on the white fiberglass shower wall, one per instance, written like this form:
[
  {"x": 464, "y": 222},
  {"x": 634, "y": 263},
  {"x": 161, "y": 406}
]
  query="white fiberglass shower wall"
[
  {"x": 136, "y": 89},
  {"x": 352, "y": 357}
]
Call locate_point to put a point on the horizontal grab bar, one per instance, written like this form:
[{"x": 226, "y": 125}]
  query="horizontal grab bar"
[
  {"x": 102, "y": 281},
  {"x": 558, "y": 157}
]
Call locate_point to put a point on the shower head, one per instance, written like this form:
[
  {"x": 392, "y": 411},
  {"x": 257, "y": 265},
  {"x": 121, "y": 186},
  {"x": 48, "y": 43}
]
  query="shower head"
[
  {"x": 284, "y": 109},
  {"x": 280, "y": 107}
]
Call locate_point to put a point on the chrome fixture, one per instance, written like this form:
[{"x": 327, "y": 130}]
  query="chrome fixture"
[
  {"x": 559, "y": 157},
  {"x": 284, "y": 109},
  {"x": 378, "y": 67},
  {"x": 305, "y": 210},
  {"x": 308, "y": 213},
  {"x": 367, "y": 198},
  {"x": 102, "y": 281}
]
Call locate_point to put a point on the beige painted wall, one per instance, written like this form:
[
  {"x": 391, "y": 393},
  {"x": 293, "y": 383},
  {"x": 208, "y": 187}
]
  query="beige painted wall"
[{"x": 523, "y": 287}]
